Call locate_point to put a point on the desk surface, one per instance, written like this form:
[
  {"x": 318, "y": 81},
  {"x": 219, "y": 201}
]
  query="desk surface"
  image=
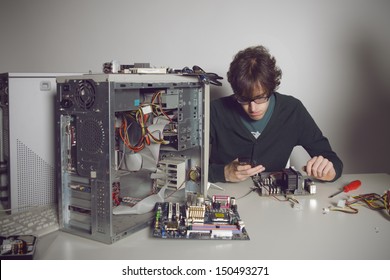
[{"x": 276, "y": 229}]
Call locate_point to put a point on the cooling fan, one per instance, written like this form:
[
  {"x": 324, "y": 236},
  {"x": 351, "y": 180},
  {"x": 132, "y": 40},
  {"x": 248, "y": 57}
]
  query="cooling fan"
[{"x": 85, "y": 94}]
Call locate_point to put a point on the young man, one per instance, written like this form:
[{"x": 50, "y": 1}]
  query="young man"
[{"x": 263, "y": 126}]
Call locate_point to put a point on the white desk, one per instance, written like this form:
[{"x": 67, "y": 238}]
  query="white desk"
[{"x": 277, "y": 231}]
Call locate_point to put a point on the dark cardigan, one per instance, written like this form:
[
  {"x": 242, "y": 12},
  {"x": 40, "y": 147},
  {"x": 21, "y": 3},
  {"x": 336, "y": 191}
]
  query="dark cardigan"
[{"x": 290, "y": 125}]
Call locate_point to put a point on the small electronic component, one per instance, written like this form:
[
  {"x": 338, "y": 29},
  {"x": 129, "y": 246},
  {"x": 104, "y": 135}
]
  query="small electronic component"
[
  {"x": 17, "y": 247},
  {"x": 289, "y": 181},
  {"x": 221, "y": 201},
  {"x": 215, "y": 219}
]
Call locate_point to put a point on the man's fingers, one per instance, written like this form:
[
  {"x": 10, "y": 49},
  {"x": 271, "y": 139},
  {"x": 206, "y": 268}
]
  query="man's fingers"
[
  {"x": 309, "y": 166},
  {"x": 320, "y": 168}
]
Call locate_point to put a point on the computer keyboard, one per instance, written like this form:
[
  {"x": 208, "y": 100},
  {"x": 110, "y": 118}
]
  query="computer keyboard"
[{"x": 36, "y": 221}]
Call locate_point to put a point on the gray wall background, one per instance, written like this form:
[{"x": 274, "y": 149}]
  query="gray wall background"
[{"x": 335, "y": 55}]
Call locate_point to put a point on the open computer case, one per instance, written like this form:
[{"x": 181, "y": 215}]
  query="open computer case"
[{"x": 122, "y": 139}]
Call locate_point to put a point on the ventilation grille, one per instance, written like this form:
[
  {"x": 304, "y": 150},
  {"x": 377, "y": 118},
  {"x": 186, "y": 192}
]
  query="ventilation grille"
[
  {"x": 91, "y": 136},
  {"x": 35, "y": 179}
]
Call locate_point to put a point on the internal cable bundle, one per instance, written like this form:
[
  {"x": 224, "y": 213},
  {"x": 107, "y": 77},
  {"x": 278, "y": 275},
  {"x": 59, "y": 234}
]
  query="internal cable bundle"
[{"x": 137, "y": 121}]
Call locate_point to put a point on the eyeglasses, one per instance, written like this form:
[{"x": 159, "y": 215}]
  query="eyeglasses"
[{"x": 258, "y": 100}]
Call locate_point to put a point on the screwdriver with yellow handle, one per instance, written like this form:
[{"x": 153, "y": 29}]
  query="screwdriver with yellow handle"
[{"x": 347, "y": 188}]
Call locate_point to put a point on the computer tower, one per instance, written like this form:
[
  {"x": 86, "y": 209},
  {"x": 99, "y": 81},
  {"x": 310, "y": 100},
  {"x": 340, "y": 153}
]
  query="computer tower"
[
  {"x": 122, "y": 138},
  {"x": 27, "y": 111}
]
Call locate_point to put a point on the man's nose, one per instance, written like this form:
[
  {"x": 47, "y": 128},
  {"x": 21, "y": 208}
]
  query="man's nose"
[{"x": 252, "y": 104}]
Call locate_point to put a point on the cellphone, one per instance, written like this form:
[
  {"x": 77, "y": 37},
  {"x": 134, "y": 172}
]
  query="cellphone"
[{"x": 247, "y": 161}]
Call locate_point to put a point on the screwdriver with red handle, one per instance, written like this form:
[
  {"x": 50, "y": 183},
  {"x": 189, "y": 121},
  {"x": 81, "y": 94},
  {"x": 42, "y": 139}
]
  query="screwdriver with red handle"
[{"x": 347, "y": 188}]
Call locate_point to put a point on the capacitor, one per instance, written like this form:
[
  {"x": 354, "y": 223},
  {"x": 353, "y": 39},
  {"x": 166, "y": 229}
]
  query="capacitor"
[
  {"x": 195, "y": 174},
  {"x": 200, "y": 200}
]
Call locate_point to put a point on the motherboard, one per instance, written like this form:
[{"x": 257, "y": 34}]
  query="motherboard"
[{"x": 215, "y": 219}]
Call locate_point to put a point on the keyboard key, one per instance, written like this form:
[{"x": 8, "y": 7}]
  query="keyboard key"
[{"x": 37, "y": 221}]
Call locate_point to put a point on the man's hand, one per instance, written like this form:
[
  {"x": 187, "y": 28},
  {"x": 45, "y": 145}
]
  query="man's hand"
[
  {"x": 236, "y": 172},
  {"x": 320, "y": 168}
]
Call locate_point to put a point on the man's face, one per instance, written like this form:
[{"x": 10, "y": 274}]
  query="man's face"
[{"x": 257, "y": 105}]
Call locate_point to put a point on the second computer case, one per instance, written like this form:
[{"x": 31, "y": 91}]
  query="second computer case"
[
  {"x": 27, "y": 153},
  {"x": 123, "y": 137}
]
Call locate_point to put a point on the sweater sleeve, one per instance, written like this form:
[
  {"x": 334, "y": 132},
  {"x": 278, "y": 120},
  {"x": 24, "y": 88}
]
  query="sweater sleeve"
[
  {"x": 216, "y": 173},
  {"x": 216, "y": 170},
  {"x": 315, "y": 143}
]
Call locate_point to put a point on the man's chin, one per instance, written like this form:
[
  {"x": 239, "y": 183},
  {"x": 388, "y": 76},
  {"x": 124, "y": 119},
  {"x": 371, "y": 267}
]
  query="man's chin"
[{"x": 256, "y": 117}]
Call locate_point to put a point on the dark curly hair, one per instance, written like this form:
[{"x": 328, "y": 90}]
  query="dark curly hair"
[{"x": 251, "y": 66}]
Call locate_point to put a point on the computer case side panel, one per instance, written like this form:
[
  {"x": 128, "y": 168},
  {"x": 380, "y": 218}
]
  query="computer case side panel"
[{"x": 27, "y": 149}]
